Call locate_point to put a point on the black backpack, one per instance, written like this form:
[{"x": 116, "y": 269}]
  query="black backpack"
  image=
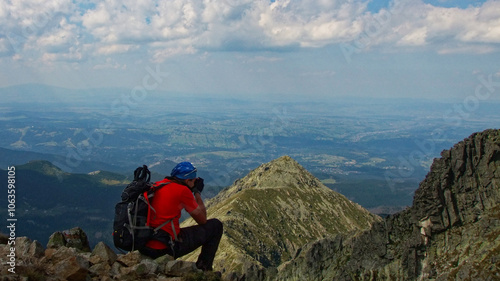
[{"x": 130, "y": 227}]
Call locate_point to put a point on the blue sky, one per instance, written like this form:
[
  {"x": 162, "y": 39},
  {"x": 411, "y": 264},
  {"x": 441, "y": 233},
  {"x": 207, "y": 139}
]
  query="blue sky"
[{"x": 400, "y": 48}]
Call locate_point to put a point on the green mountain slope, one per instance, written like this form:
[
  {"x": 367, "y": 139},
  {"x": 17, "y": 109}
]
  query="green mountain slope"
[
  {"x": 274, "y": 210},
  {"x": 49, "y": 200},
  {"x": 10, "y": 157}
]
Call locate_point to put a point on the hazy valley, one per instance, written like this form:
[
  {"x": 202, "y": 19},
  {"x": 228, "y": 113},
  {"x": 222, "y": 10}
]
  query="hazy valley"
[
  {"x": 228, "y": 137},
  {"x": 375, "y": 152}
]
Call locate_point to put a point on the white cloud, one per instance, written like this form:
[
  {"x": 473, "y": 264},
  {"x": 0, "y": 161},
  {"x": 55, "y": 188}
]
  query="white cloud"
[
  {"x": 32, "y": 17},
  {"x": 59, "y": 29},
  {"x": 141, "y": 21},
  {"x": 485, "y": 26},
  {"x": 115, "y": 49},
  {"x": 59, "y": 39},
  {"x": 420, "y": 24},
  {"x": 219, "y": 24},
  {"x": 417, "y": 37},
  {"x": 160, "y": 55},
  {"x": 36, "y": 28},
  {"x": 311, "y": 23},
  {"x": 97, "y": 17},
  {"x": 73, "y": 54}
]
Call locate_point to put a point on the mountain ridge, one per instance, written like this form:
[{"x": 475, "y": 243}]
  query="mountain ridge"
[
  {"x": 48, "y": 199},
  {"x": 10, "y": 157},
  {"x": 273, "y": 210},
  {"x": 451, "y": 232},
  {"x": 268, "y": 175}
]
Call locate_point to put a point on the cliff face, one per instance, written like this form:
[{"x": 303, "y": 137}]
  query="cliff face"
[
  {"x": 452, "y": 231},
  {"x": 274, "y": 210}
]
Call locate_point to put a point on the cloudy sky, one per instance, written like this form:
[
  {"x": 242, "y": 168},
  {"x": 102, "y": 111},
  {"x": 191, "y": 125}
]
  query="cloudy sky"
[{"x": 395, "y": 48}]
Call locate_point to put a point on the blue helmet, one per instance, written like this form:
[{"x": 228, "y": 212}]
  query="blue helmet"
[{"x": 184, "y": 170}]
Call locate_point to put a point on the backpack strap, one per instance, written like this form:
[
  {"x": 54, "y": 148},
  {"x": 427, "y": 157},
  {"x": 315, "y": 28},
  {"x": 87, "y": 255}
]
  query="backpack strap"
[
  {"x": 156, "y": 188},
  {"x": 171, "y": 221},
  {"x": 149, "y": 194}
]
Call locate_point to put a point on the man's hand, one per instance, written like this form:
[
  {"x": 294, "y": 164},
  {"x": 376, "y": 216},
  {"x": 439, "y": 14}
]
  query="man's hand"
[
  {"x": 199, "y": 214},
  {"x": 198, "y": 186}
]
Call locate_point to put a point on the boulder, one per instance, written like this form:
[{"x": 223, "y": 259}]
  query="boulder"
[
  {"x": 72, "y": 268},
  {"x": 102, "y": 253},
  {"x": 25, "y": 248},
  {"x": 143, "y": 269},
  {"x": 73, "y": 238},
  {"x": 101, "y": 270},
  {"x": 76, "y": 238},
  {"x": 180, "y": 268},
  {"x": 66, "y": 263},
  {"x": 56, "y": 240},
  {"x": 130, "y": 259}
]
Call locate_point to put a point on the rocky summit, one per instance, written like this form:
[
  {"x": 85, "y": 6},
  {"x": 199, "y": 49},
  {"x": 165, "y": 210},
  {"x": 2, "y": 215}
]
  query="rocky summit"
[
  {"x": 451, "y": 232},
  {"x": 273, "y": 211}
]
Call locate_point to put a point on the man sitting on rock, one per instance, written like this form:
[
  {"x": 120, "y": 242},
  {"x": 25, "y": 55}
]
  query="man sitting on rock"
[{"x": 168, "y": 203}]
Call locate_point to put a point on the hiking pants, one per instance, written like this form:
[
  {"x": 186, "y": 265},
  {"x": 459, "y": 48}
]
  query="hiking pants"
[{"x": 189, "y": 239}]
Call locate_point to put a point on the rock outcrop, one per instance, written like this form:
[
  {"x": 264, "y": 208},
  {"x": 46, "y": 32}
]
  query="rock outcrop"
[
  {"x": 452, "y": 231},
  {"x": 72, "y": 238},
  {"x": 68, "y": 258},
  {"x": 272, "y": 212}
]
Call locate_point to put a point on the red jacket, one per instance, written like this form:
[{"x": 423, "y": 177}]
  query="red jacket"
[{"x": 167, "y": 204}]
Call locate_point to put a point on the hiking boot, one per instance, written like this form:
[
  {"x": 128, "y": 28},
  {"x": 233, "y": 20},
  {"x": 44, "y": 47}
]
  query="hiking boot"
[{"x": 202, "y": 266}]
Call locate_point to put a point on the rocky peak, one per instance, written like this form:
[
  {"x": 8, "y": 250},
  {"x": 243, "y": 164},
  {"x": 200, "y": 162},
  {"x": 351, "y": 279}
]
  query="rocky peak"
[
  {"x": 462, "y": 184},
  {"x": 450, "y": 233},
  {"x": 283, "y": 172},
  {"x": 270, "y": 213}
]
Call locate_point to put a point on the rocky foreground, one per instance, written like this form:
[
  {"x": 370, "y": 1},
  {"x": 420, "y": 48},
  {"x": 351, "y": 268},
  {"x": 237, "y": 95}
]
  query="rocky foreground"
[{"x": 69, "y": 257}]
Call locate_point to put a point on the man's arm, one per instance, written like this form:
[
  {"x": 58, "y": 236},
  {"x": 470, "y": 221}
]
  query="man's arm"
[{"x": 200, "y": 213}]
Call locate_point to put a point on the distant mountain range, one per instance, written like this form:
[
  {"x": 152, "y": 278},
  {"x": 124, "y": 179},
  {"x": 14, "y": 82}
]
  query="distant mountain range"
[
  {"x": 11, "y": 157},
  {"x": 51, "y": 95},
  {"x": 49, "y": 199}
]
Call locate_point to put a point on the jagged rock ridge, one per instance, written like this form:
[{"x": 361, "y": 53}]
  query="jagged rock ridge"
[
  {"x": 452, "y": 231},
  {"x": 274, "y": 210}
]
